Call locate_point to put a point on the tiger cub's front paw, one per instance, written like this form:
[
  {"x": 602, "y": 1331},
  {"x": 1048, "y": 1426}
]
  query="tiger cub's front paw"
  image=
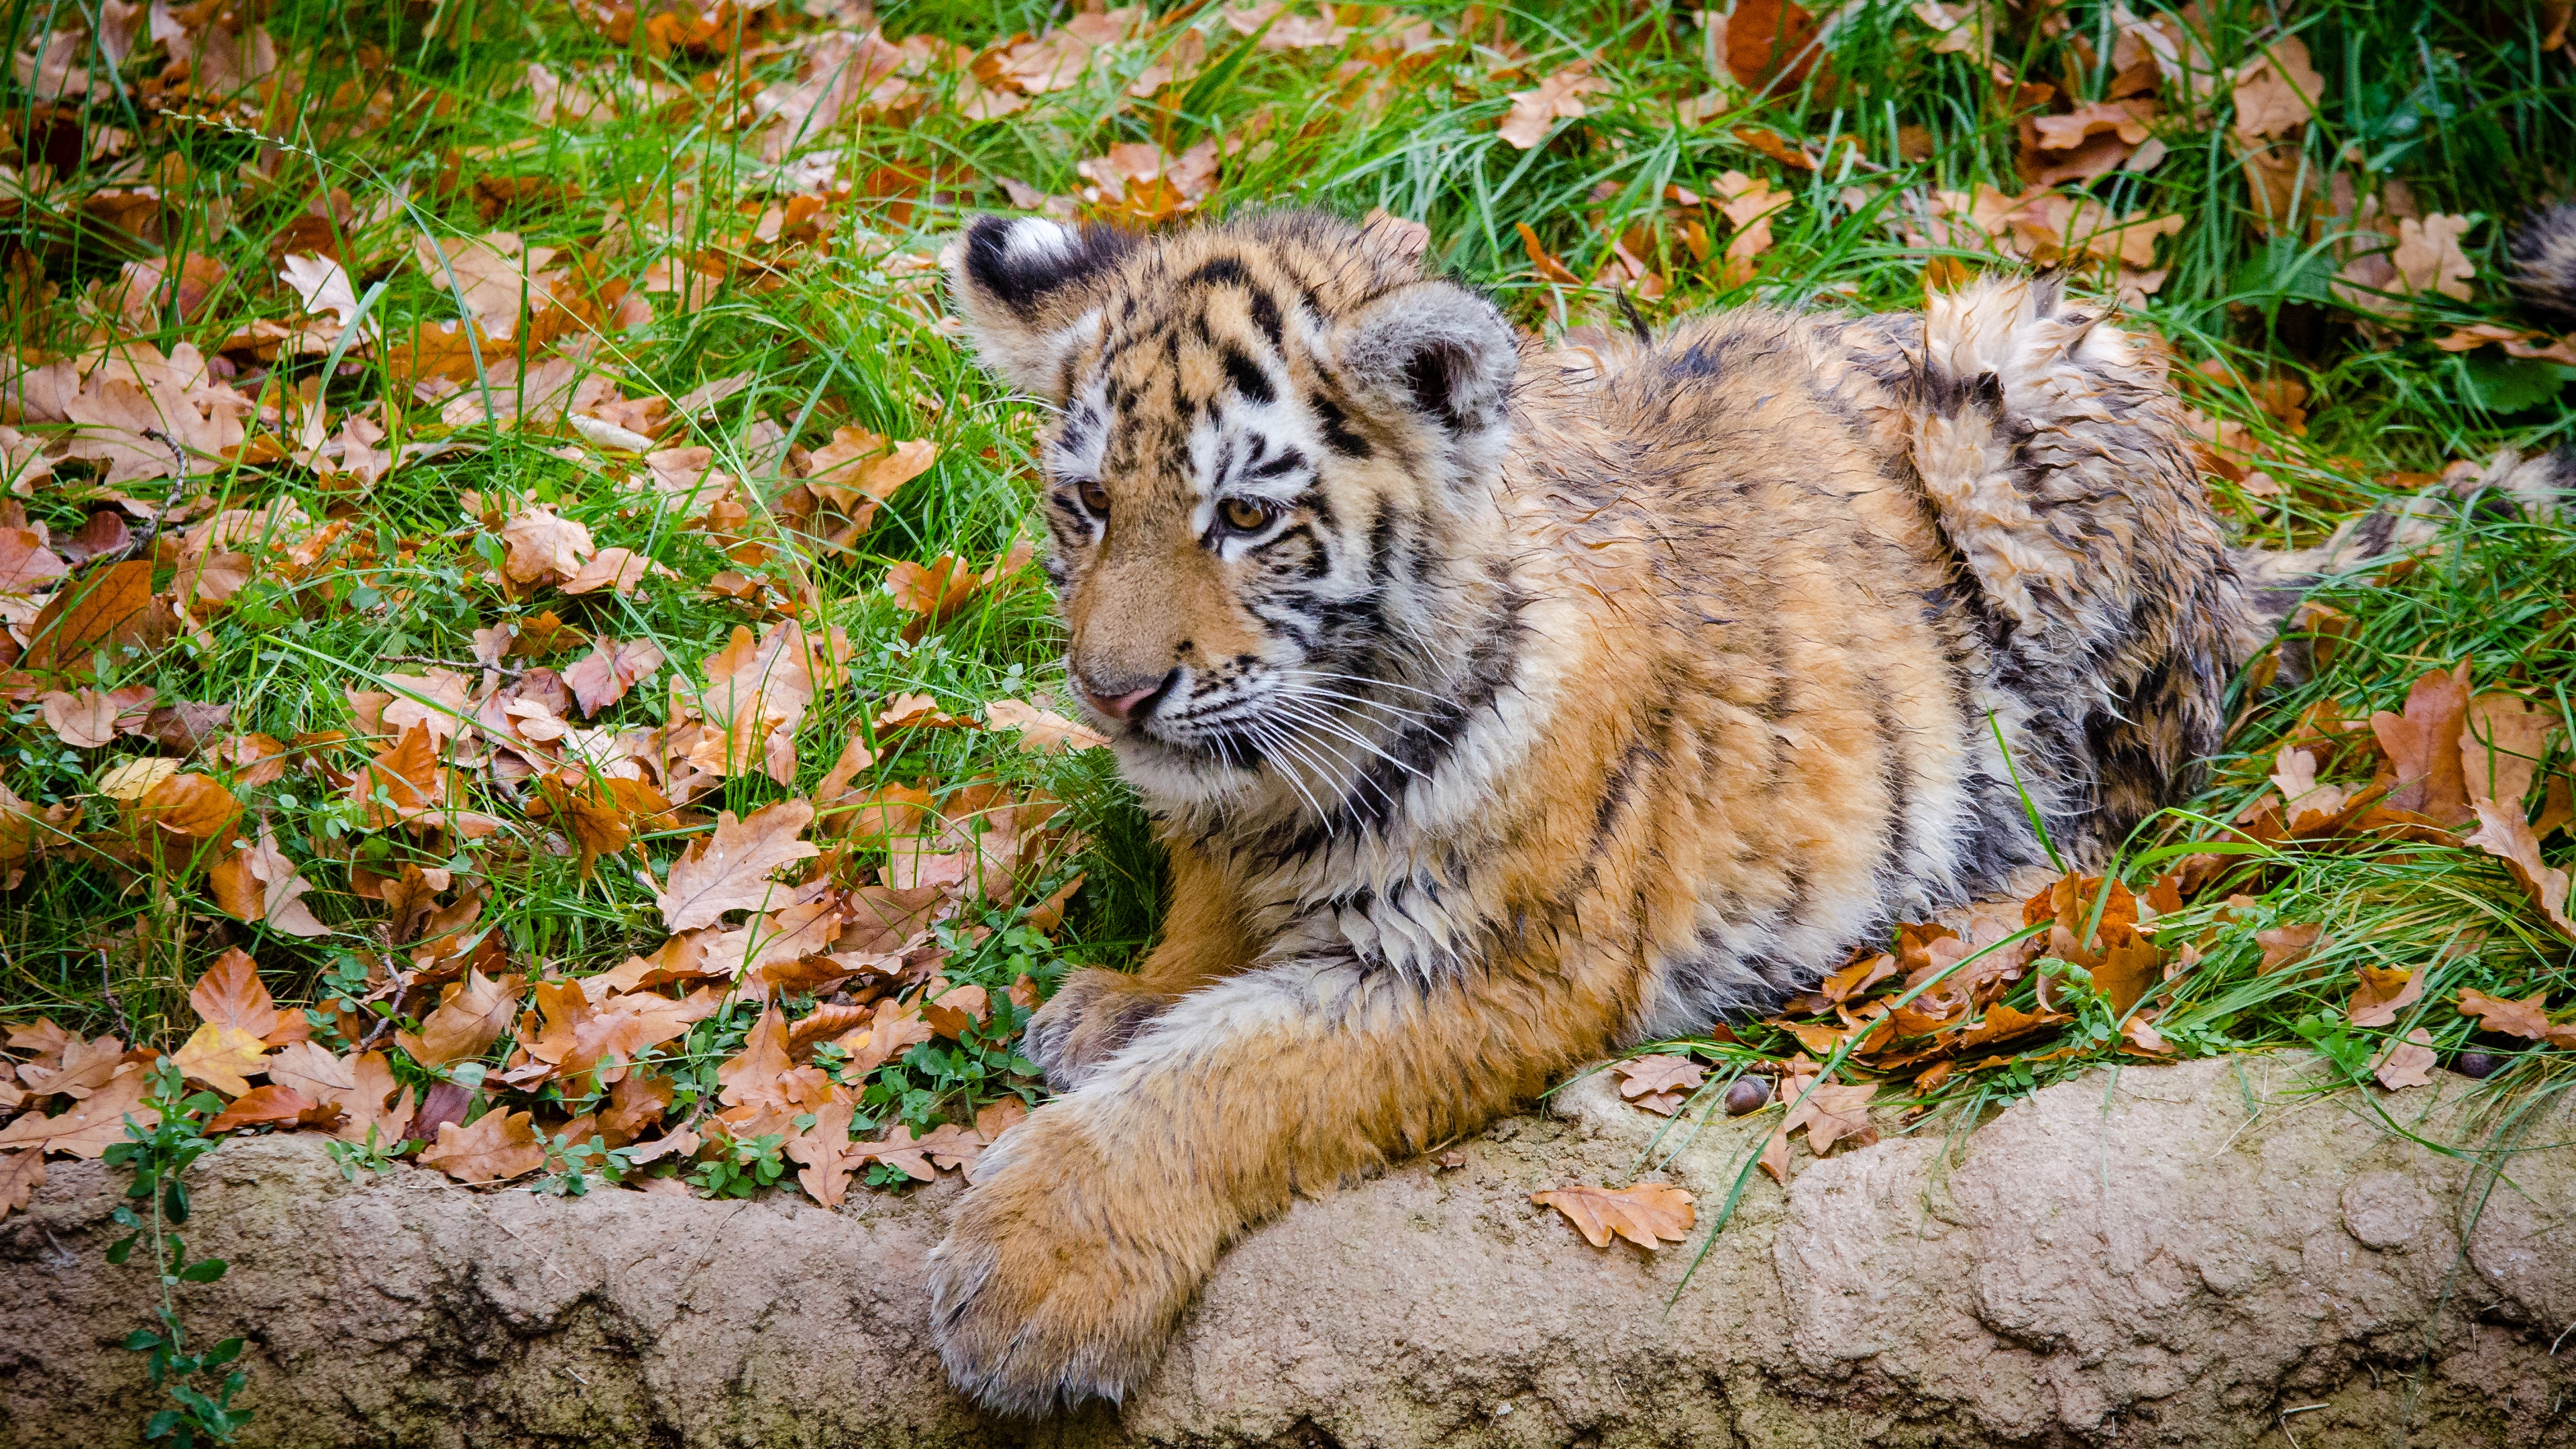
[
  {"x": 1090, "y": 1017},
  {"x": 1060, "y": 1278}
]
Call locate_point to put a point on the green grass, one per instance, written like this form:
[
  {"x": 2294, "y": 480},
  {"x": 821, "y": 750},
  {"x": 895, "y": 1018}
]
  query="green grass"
[{"x": 405, "y": 109}]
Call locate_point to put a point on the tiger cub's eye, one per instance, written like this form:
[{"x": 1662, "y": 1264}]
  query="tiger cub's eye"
[
  {"x": 1094, "y": 497},
  {"x": 1244, "y": 515}
]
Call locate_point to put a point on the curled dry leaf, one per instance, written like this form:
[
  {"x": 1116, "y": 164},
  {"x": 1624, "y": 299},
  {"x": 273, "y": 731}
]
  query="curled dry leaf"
[
  {"x": 500, "y": 1145},
  {"x": 2502, "y": 832},
  {"x": 1649, "y": 1214},
  {"x": 257, "y": 883},
  {"x": 273, "y": 1105},
  {"x": 471, "y": 1015},
  {"x": 2381, "y": 995}
]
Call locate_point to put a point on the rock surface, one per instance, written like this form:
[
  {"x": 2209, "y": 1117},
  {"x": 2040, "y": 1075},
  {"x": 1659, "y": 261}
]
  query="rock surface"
[{"x": 2206, "y": 1254}]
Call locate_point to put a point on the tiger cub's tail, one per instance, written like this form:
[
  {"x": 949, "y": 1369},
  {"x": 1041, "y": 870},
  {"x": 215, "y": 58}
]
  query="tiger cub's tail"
[{"x": 2051, "y": 449}]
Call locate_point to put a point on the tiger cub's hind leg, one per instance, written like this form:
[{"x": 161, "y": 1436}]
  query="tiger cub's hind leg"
[{"x": 2052, "y": 452}]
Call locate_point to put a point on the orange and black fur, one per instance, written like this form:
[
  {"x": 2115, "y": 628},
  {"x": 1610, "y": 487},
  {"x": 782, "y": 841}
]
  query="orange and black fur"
[{"x": 1498, "y": 706}]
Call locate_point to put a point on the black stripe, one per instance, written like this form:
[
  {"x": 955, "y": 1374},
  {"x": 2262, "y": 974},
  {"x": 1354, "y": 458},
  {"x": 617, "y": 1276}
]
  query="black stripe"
[
  {"x": 1248, "y": 378},
  {"x": 1337, "y": 430}
]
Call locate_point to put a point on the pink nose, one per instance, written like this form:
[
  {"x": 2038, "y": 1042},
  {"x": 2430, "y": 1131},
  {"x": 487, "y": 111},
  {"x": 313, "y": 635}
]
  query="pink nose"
[{"x": 1119, "y": 706}]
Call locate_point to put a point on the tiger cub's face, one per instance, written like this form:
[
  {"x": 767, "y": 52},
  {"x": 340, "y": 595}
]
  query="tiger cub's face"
[{"x": 1264, "y": 437}]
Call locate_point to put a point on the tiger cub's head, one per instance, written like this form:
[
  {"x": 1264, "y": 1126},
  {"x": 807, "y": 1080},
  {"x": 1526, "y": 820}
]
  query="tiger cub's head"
[{"x": 1271, "y": 456}]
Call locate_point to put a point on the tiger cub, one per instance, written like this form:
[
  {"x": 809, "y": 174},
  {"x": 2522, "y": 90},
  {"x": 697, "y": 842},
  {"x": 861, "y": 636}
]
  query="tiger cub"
[{"x": 1499, "y": 706}]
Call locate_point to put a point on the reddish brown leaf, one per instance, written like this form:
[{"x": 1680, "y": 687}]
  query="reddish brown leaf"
[
  {"x": 2423, "y": 747},
  {"x": 231, "y": 994},
  {"x": 270, "y": 1105},
  {"x": 102, "y": 610},
  {"x": 1768, "y": 39},
  {"x": 94, "y": 1123}
]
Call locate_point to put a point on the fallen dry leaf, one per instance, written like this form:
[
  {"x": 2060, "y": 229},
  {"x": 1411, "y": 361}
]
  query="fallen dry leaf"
[
  {"x": 2502, "y": 738},
  {"x": 500, "y": 1145},
  {"x": 1558, "y": 97},
  {"x": 2504, "y": 1015},
  {"x": 94, "y": 1123},
  {"x": 231, "y": 994},
  {"x": 2382, "y": 994},
  {"x": 602, "y": 677},
  {"x": 730, "y": 870},
  {"x": 100, "y": 611},
  {"x": 1640, "y": 1076},
  {"x": 269, "y": 1106},
  {"x": 2276, "y": 93},
  {"x": 220, "y": 1057},
  {"x": 470, "y": 1017},
  {"x": 257, "y": 883},
  {"x": 21, "y": 1173},
  {"x": 1831, "y": 1113},
  {"x": 1770, "y": 43},
  {"x": 2423, "y": 747},
  {"x": 2502, "y": 832},
  {"x": 2288, "y": 945},
  {"x": 1649, "y": 1214},
  {"x": 1042, "y": 731},
  {"x": 2407, "y": 1063}
]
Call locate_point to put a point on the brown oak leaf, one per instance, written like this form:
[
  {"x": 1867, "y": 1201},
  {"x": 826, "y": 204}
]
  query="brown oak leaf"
[
  {"x": 2504, "y": 1015},
  {"x": 1649, "y": 1214},
  {"x": 730, "y": 870}
]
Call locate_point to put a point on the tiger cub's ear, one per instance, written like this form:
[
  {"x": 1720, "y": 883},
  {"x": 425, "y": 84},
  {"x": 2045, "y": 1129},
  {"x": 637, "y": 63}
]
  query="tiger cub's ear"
[
  {"x": 1435, "y": 350},
  {"x": 1026, "y": 288}
]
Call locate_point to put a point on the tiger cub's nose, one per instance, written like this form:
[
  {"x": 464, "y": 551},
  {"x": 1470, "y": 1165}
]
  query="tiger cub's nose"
[{"x": 1122, "y": 698}]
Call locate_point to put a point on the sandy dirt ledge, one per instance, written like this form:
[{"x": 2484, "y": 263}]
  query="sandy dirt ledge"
[{"x": 2177, "y": 1255}]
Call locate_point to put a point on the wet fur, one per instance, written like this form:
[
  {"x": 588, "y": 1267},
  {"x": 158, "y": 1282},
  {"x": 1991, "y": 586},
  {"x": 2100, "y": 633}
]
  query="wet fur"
[{"x": 1583, "y": 695}]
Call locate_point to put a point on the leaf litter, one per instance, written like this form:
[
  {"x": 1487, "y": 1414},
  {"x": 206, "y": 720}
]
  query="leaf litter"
[{"x": 801, "y": 991}]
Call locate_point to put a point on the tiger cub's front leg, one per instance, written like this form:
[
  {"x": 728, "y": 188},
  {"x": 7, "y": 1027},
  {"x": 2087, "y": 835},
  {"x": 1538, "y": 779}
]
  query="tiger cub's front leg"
[
  {"x": 1091, "y": 1224},
  {"x": 1095, "y": 1012}
]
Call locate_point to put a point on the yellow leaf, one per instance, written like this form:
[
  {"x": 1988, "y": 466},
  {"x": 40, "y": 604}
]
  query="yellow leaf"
[{"x": 220, "y": 1057}]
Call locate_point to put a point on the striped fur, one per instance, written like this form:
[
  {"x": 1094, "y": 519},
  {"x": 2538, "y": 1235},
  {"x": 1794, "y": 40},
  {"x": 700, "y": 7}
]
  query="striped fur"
[
  {"x": 2544, "y": 263},
  {"x": 1557, "y": 700}
]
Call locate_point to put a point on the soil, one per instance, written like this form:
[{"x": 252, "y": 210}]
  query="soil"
[{"x": 2207, "y": 1254}]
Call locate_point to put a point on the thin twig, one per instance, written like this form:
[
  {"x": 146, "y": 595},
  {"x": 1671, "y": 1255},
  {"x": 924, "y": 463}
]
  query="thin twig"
[
  {"x": 109, "y": 991},
  {"x": 509, "y": 671}
]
